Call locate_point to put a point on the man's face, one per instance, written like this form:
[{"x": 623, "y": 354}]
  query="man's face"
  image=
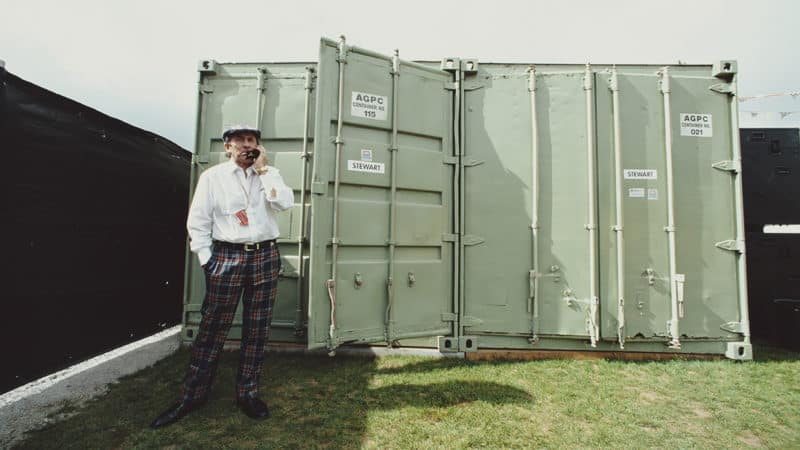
[{"x": 238, "y": 145}]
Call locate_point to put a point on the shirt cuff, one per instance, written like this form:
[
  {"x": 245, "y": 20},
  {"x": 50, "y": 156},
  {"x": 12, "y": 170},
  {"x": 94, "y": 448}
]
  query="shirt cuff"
[{"x": 204, "y": 254}]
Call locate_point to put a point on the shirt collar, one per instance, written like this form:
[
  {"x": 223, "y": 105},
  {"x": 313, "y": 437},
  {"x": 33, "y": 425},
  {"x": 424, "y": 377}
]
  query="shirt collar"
[{"x": 234, "y": 167}]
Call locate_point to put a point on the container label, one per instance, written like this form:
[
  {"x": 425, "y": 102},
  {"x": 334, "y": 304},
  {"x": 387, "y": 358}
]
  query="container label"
[
  {"x": 696, "y": 125},
  {"x": 640, "y": 174},
  {"x": 369, "y": 106},
  {"x": 636, "y": 192},
  {"x": 365, "y": 166},
  {"x": 652, "y": 194},
  {"x": 366, "y": 154}
]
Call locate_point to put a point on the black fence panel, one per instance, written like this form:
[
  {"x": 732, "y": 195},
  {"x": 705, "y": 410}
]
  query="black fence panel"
[{"x": 93, "y": 218}]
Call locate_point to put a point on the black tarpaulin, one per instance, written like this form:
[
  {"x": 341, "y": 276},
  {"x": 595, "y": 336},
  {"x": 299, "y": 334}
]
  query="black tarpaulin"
[{"x": 93, "y": 227}]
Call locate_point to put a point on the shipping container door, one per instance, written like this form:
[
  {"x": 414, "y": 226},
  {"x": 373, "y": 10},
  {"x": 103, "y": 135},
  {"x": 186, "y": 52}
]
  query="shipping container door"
[
  {"x": 703, "y": 206},
  {"x": 502, "y": 286},
  {"x": 642, "y": 197},
  {"x": 381, "y": 250},
  {"x": 271, "y": 97}
]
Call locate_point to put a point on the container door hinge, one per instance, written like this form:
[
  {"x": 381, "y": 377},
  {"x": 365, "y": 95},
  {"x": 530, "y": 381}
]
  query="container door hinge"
[
  {"x": 471, "y": 239},
  {"x": 449, "y": 237},
  {"x": 728, "y": 166},
  {"x": 472, "y": 162},
  {"x": 319, "y": 188},
  {"x": 341, "y": 54},
  {"x": 449, "y": 317},
  {"x": 450, "y": 86},
  {"x": 733, "y": 327},
  {"x": 453, "y": 160},
  {"x": 206, "y": 88},
  {"x": 731, "y": 245},
  {"x": 472, "y": 85},
  {"x": 470, "y": 321},
  {"x": 723, "y": 88}
]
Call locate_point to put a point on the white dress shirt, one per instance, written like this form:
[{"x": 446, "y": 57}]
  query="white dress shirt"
[{"x": 221, "y": 192}]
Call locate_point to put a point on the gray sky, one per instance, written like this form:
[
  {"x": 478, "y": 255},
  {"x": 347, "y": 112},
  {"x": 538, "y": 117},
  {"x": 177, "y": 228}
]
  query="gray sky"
[{"x": 136, "y": 60}]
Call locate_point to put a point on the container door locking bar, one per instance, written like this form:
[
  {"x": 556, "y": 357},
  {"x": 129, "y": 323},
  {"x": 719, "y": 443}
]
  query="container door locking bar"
[
  {"x": 591, "y": 225},
  {"x": 677, "y": 280},
  {"x": 331, "y": 283},
  {"x": 618, "y": 227},
  {"x": 533, "y": 299}
]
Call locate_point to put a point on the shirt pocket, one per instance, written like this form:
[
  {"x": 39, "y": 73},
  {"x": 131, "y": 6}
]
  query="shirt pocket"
[{"x": 231, "y": 203}]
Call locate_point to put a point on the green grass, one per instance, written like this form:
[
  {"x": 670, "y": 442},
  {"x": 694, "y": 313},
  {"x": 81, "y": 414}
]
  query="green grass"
[{"x": 410, "y": 402}]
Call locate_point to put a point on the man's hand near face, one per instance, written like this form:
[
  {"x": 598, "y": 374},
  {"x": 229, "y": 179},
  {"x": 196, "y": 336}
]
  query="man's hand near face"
[{"x": 261, "y": 162}]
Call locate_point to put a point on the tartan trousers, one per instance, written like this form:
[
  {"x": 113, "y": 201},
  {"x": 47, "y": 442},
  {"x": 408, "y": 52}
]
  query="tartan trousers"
[{"x": 233, "y": 273}]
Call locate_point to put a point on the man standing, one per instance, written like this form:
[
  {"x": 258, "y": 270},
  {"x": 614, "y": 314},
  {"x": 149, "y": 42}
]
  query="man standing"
[{"x": 232, "y": 226}]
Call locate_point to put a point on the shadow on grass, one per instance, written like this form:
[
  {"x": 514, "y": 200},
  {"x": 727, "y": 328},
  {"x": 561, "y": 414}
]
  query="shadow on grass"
[{"x": 315, "y": 402}]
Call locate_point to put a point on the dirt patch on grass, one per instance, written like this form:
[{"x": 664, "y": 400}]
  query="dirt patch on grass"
[
  {"x": 650, "y": 397},
  {"x": 700, "y": 411},
  {"x": 751, "y": 440}
]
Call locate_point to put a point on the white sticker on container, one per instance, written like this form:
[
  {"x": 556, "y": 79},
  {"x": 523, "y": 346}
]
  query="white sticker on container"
[
  {"x": 640, "y": 174},
  {"x": 369, "y": 106},
  {"x": 696, "y": 125},
  {"x": 636, "y": 192},
  {"x": 652, "y": 194},
  {"x": 366, "y": 154},
  {"x": 365, "y": 166}
]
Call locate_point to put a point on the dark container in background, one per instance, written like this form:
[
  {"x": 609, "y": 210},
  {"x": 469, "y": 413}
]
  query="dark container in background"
[{"x": 771, "y": 184}]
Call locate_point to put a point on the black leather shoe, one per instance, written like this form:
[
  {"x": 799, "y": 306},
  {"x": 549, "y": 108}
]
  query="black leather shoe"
[
  {"x": 253, "y": 407},
  {"x": 175, "y": 412}
]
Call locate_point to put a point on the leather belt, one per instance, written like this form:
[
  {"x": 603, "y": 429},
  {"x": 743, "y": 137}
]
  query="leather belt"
[{"x": 247, "y": 246}]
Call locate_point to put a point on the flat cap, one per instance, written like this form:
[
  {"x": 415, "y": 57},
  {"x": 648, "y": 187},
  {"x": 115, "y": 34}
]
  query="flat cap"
[{"x": 239, "y": 129}]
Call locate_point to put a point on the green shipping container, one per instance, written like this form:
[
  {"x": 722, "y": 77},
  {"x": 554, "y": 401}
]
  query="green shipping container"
[{"x": 466, "y": 205}]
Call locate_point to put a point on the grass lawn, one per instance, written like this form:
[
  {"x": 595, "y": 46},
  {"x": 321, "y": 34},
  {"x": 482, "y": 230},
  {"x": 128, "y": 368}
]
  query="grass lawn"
[{"x": 412, "y": 402}]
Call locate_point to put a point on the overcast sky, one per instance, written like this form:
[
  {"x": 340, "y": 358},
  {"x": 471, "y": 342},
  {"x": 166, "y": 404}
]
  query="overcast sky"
[{"x": 136, "y": 60}]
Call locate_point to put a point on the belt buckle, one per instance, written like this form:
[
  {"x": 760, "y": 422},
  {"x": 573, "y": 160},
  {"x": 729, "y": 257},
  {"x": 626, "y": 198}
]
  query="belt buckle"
[{"x": 250, "y": 246}]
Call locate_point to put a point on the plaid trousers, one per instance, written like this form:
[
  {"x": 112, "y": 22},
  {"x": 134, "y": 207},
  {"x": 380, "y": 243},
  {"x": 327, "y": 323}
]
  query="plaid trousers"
[{"x": 231, "y": 274}]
